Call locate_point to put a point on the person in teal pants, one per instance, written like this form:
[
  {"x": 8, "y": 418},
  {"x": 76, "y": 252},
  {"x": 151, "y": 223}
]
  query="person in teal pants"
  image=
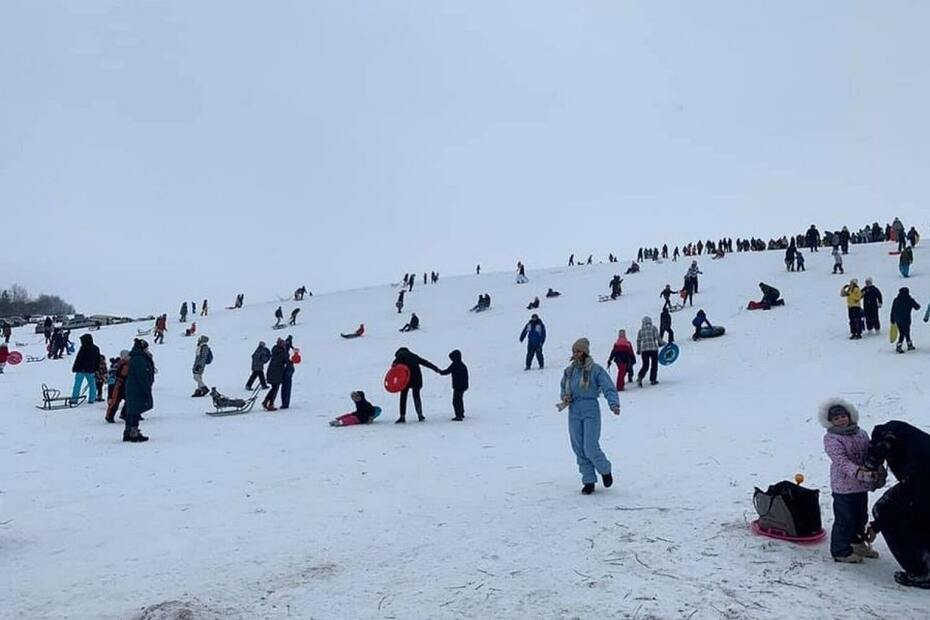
[
  {"x": 582, "y": 382},
  {"x": 85, "y": 367}
]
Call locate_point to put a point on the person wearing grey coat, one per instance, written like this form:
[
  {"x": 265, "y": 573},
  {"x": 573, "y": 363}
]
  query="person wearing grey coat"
[
  {"x": 259, "y": 358},
  {"x": 203, "y": 357}
]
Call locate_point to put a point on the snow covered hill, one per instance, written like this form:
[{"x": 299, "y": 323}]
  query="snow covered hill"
[{"x": 274, "y": 515}]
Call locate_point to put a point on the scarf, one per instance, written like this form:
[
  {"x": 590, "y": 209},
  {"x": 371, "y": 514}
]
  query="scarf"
[
  {"x": 585, "y": 367},
  {"x": 851, "y": 429}
]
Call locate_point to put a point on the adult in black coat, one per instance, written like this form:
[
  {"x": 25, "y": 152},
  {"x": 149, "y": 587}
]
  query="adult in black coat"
[
  {"x": 85, "y": 367},
  {"x": 871, "y": 302},
  {"x": 259, "y": 358},
  {"x": 459, "y": 372},
  {"x": 413, "y": 362},
  {"x": 138, "y": 386},
  {"x": 413, "y": 325},
  {"x": 770, "y": 295},
  {"x": 275, "y": 373},
  {"x": 901, "y": 309},
  {"x": 902, "y": 515}
]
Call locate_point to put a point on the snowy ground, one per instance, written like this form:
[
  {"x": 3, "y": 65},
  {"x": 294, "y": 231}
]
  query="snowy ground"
[{"x": 270, "y": 515}]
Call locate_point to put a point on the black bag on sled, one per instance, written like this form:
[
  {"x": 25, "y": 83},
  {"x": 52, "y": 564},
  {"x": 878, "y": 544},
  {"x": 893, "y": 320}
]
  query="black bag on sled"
[{"x": 789, "y": 508}]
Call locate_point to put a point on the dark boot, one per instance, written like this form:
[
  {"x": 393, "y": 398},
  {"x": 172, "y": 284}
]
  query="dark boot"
[
  {"x": 136, "y": 437},
  {"x": 126, "y": 435},
  {"x": 914, "y": 581},
  {"x": 608, "y": 480},
  {"x": 400, "y": 420},
  {"x": 588, "y": 488}
]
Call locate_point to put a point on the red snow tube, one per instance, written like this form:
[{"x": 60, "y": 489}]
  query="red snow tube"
[
  {"x": 14, "y": 358},
  {"x": 396, "y": 378}
]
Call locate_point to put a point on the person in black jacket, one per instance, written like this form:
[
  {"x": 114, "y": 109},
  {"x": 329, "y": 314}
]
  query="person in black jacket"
[
  {"x": 871, "y": 302},
  {"x": 259, "y": 358},
  {"x": 184, "y": 312},
  {"x": 902, "y": 514},
  {"x": 138, "y": 386},
  {"x": 770, "y": 296},
  {"x": 665, "y": 325},
  {"x": 364, "y": 412},
  {"x": 289, "y": 368},
  {"x": 413, "y": 362},
  {"x": 275, "y": 373},
  {"x": 413, "y": 325},
  {"x": 901, "y": 309},
  {"x": 278, "y": 315},
  {"x": 85, "y": 367},
  {"x": 459, "y": 372}
]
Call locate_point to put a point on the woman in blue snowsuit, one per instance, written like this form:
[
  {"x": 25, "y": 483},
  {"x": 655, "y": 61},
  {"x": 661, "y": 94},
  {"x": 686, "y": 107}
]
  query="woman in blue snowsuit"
[{"x": 582, "y": 382}]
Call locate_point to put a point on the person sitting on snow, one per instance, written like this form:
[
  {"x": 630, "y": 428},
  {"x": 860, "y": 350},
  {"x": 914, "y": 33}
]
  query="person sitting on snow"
[
  {"x": 533, "y": 304},
  {"x": 550, "y": 293},
  {"x": 633, "y": 268},
  {"x": 700, "y": 319},
  {"x": 770, "y": 295},
  {"x": 357, "y": 333},
  {"x": 364, "y": 412},
  {"x": 414, "y": 324}
]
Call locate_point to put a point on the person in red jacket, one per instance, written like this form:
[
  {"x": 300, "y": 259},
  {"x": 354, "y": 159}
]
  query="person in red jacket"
[
  {"x": 623, "y": 355},
  {"x": 4, "y": 355}
]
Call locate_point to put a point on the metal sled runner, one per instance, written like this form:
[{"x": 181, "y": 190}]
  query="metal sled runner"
[
  {"x": 246, "y": 408},
  {"x": 52, "y": 400}
]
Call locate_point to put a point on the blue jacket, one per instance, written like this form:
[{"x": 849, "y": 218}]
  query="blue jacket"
[
  {"x": 584, "y": 400},
  {"x": 536, "y": 332}
]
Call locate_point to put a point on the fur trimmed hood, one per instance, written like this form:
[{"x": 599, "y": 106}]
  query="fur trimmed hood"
[{"x": 825, "y": 408}]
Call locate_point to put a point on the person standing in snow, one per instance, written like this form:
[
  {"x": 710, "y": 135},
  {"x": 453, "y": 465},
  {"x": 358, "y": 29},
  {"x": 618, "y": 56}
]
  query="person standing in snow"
[
  {"x": 665, "y": 325},
  {"x": 183, "y": 312},
  {"x": 203, "y": 308},
  {"x": 400, "y": 301},
  {"x": 622, "y": 354},
  {"x": 901, "y": 309},
  {"x": 260, "y": 357},
  {"x": 275, "y": 373},
  {"x": 854, "y": 303},
  {"x": 294, "y": 314},
  {"x": 459, "y": 372},
  {"x": 647, "y": 346},
  {"x": 85, "y": 368},
  {"x": 534, "y": 332},
  {"x": 140, "y": 376},
  {"x": 47, "y": 329},
  {"x": 4, "y": 355},
  {"x": 413, "y": 362},
  {"x": 666, "y": 294},
  {"x": 287, "y": 377},
  {"x": 905, "y": 261},
  {"x": 871, "y": 301},
  {"x": 202, "y": 358},
  {"x": 7, "y": 332},
  {"x": 100, "y": 376},
  {"x": 582, "y": 382},
  {"x": 837, "y": 260},
  {"x": 850, "y": 481},
  {"x": 161, "y": 326},
  {"x": 278, "y": 316},
  {"x": 118, "y": 390}
]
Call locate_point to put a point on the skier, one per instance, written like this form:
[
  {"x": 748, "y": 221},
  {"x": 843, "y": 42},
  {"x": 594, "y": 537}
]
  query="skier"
[
  {"x": 138, "y": 390},
  {"x": 459, "y": 372},
  {"x": 275, "y": 373},
  {"x": 647, "y": 346},
  {"x": 413, "y": 362},
  {"x": 534, "y": 332},
  {"x": 582, "y": 382},
  {"x": 898, "y": 229},
  {"x": 904, "y": 263},
  {"x": 184, "y": 312},
  {"x": 85, "y": 368},
  {"x": 260, "y": 357},
  {"x": 294, "y": 314},
  {"x": 901, "y": 309},
  {"x": 622, "y": 354},
  {"x": 665, "y": 324},
  {"x": 871, "y": 301},
  {"x": 854, "y": 303},
  {"x": 278, "y": 317},
  {"x": 639, "y": 256},
  {"x": 413, "y": 325},
  {"x": 194, "y": 307},
  {"x": 698, "y": 321},
  {"x": 837, "y": 260},
  {"x": 202, "y": 358}
]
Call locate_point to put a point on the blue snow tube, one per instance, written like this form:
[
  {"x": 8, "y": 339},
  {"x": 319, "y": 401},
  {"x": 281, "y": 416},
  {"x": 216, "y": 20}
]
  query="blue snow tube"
[{"x": 668, "y": 354}]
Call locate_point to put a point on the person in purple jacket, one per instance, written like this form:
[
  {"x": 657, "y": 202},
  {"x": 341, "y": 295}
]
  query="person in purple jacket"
[{"x": 847, "y": 445}]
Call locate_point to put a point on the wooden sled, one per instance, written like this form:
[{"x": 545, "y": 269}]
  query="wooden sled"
[
  {"x": 249, "y": 404},
  {"x": 52, "y": 400}
]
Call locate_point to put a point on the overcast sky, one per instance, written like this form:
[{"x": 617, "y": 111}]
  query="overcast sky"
[{"x": 151, "y": 151}]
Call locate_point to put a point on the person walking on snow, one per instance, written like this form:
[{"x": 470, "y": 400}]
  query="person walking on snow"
[
  {"x": 901, "y": 309},
  {"x": 459, "y": 372},
  {"x": 854, "y": 303},
  {"x": 582, "y": 383},
  {"x": 202, "y": 358},
  {"x": 275, "y": 373},
  {"x": 692, "y": 275},
  {"x": 85, "y": 368},
  {"x": 400, "y": 301},
  {"x": 278, "y": 316},
  {"x": 666, "y": 294},
  {"x": 294, "y": 314},
  {"x": 4, "y": 355},
  {"x": 140, "y": 376},
  {"x": 260, "y": 357},
  {"x": 413, "y": 362},
  {"x": 203, "y": 308},
  {"x": 837, "y": 260},
  {"x": 622, "y": 354},
  {"x": 871, "y": 301},
  {"x": 904, "y": 263},
  {"x": 534, "y": 332},
  {"x": 161, "y": 326},
  {"x": 665, "y": 324},
  {"x": 118, "y": 390},
  {"x": 647, "y": 346},
  {"x": 184, "y": 312},
  {"x": 290, "y": 361}
]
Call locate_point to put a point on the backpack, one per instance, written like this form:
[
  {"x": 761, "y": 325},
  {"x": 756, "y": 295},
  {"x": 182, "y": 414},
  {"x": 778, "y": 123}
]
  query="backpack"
[{"x": 789, "y": 508}]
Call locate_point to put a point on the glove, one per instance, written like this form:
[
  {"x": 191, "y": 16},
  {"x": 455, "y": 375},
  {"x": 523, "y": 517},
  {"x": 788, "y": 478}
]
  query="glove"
[
  {"x": 865, "y": 475},
  {"x": 615, "y": 409}
]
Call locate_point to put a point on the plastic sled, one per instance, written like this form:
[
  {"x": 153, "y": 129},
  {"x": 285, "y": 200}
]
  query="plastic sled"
[
  {"x": 893, "y": 333},
  {"x": 14, "y": 358},
  {"x": 778, "y": 534},
  {"x": 669, "y": 354},
  {"x": 396, "y": 378},
  {"x": 712, "y": 332},
  {"x": 249, "y": 403},
  {"x": 374, "y": 416}
]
